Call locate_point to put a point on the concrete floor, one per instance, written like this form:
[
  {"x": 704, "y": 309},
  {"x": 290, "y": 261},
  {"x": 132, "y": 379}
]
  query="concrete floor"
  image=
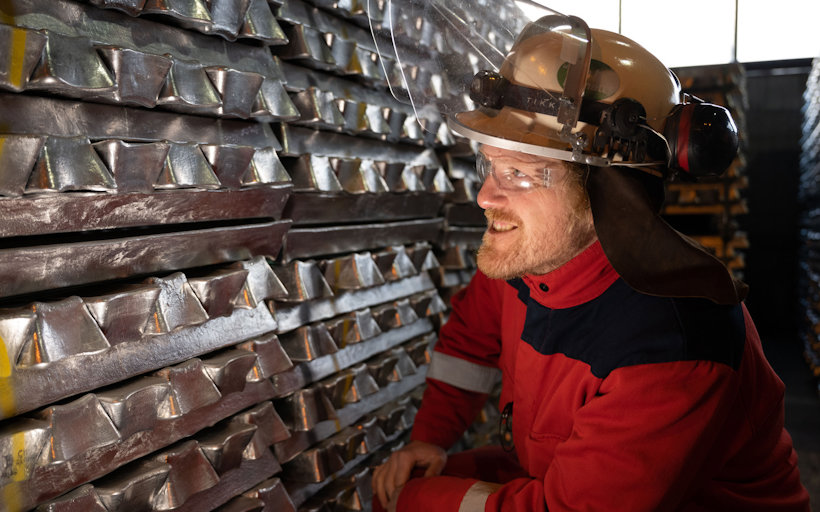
[{"x": 802, "y": 409}]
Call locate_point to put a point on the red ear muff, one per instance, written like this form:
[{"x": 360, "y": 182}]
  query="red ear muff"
[{"x": 702, "y": 139}]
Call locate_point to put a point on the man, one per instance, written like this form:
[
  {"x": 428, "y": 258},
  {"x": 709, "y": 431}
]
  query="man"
[{"x": 632, "y": 375}]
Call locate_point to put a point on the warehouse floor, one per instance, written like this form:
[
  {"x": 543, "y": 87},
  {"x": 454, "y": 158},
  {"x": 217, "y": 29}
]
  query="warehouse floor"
[{"x": 802, "y": 409}]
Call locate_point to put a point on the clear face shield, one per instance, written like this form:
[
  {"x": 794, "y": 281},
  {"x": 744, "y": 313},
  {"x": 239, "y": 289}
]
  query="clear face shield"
[{"x": 471, "y": 61}]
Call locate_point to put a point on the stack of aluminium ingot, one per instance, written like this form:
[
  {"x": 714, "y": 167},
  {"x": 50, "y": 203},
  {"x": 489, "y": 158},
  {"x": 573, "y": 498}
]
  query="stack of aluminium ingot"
[
  {"x": 221, "y": 240},
  {"x": 708, "y": 210},
  {"x": 809, "y": 194}
]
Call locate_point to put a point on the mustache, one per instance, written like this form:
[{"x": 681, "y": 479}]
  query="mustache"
[{"x": 502, "y": 216}]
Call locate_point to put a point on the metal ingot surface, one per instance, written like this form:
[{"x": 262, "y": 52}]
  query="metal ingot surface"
[
  {"x": 190, "y": 473},
  {"x": 131, "y": 7},
  {"x": 177, "y": 305},
  {"x": 374, "y": 436},
  {"x": 422, "y": 256},
  {"x": 311, "y": 172},
  {"x": 186, "y": 166},
  {"x": 139, "y": 76},
  {"x": 71, "y": 65},
  {"x": 216, "y": 292},
  {"x": 229, "y": 370},
  {"x": 64, "y": 328},
  {"x": 22, "y": 440},
  {"x": 133, "y": 487},
  {"x": 428, "y": 304},
  {"x": 397, "y": 314},
  {"x": 25, "y": 49},
  {"x": 350, "y": 443},
  {"x": 123, "y": 316},
  {"x": 260, "y": 24},
  {"x": 188, "y": 88},
  {"x": 308, "y": 342},
  {"x": 270, "y": 429},
  {"x": 229, "y": 163},
  {"x": 18, "y": 154},
  {"x": 353, "y": 328},
  {"x": 349, "y": 386},
  {"x": 266, "y": 168},
  {"x": 273, "y": 493},
  {"x": 302, "y": 410},
  {"x": 191, "y": 388},
  {"x": 69, "y": 163},
  {"x": 237, "y": 90},
  {"x": 394, "y": 263},
  {"x": 193, "y": 13},
  {"x": 223, "y": 446},
  {"x": 227, "y": 17},
  {"x": 17, "y": 329},
  {"x": 420, "y": 350},
  {"x": 271, "y": 358},
  {"x": 136, "y": 405},
  {"x": 136, "y": 167},
  {"x": 243, "y": 504},
  {"x": 358, "y": 176},
  {"x": 308, "y": 45},
  {"x": 303, "y": 281},
  {"x": 315, "y": 464},
  {"x": 261, "y": 284},
  {"x": 352, "y": 272},
  {"x": 76, "y": 428},
  {"x": 81, "y": 499},
  {"x": 317, "y": 106}
]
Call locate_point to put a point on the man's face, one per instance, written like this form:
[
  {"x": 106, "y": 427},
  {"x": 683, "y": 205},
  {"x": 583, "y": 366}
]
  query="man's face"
[{"x": 530, "y": 231}]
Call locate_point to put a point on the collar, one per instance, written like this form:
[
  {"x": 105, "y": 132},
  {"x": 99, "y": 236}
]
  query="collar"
[{"x": 579, "y": 280}]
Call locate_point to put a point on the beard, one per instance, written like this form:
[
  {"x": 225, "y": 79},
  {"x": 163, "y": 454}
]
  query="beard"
[{"x": 525, "y": 252}]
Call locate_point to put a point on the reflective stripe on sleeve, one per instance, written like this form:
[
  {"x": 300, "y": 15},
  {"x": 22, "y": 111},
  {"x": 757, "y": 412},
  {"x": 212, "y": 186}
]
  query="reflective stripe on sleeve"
[
  {"x": 476, "y": 496},
  {"x": 462, "y": 374}
]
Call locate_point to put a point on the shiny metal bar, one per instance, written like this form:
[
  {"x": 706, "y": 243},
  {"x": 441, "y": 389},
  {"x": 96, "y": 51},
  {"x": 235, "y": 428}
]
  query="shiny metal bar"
[
  {"x": 134, "y": 406},
  {"x": 69, "y": 163},
  {"x": 291, "y": 316},
  {"x": 28, "y": 45},
  {"x": 139, "y": 76},
  {"x": 219, "y": 291},
  {"x": 352, "y": 272},
  {"x": 271, "y": 358},
  {"x": 54, "y": 266},
  {"x": 229, "y": 370},
  {"x": 303, "y": 280},
  {"x": 329, "y": 208},
  {"x": 191, "y": 388},
  {"x": 353, "y": 328},
  {"x": 23, "y": 216},
  {"x": 18, "y": 154},
  {"x": 223, "y": 446},
  {"x": 270, "y": 429},
  {"x": 190, "y": 473},
  {"x": 81, "y": 499},
  {"x": 319, "y": 241},
  {"x": 63, "y": 328},
  {"x": 273, "y": 493},
  {"x": 77, "y": 427}
]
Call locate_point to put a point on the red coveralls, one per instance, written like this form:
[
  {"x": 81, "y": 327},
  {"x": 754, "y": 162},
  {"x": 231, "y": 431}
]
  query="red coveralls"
[{"x": 622, "y": 401}]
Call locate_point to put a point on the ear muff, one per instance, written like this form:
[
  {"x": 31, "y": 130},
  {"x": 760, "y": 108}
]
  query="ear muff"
[{"x": 702, "y": 139}]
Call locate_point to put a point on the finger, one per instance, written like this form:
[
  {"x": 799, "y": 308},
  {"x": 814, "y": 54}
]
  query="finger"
[
  {"x": 435, "y": 467},
  {"x": 402, "y": 472},
  {"x": 379, "y": 487}
]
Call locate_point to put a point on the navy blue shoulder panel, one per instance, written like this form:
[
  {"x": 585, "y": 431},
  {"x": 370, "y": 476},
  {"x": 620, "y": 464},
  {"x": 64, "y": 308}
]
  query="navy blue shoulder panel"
[{"x": 623, "y": 327}]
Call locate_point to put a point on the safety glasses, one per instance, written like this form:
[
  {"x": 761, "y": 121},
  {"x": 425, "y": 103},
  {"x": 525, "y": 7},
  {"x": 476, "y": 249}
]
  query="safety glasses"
[{"x": 524, "y": 176}]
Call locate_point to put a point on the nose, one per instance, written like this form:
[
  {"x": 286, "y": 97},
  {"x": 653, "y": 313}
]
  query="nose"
[{"x": 490, "y": 195}]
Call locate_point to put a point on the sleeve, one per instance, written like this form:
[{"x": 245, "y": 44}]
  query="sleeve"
[
  {"x": 464, "y": 366},
  {"x": 634, "y": 447}
]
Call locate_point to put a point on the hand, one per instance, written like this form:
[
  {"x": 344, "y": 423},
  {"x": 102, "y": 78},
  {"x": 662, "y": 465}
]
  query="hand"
[{"x": 389, "y": 478}]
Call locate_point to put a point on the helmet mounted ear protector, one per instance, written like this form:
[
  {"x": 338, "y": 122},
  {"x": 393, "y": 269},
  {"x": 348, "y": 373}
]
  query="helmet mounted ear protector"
[{"x": 699, "y": 139}]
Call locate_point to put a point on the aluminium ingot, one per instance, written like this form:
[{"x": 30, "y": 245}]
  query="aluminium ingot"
[
  {"x": 229, "y": 369},
  {"x": 69, "y": 163},
  {"x": 191, "y": 388},
  {"x": 177, "y": 305},
  {"x": 394, "y": 263},
  {"x": 313, "y": 172},
  {"x": 266, "y": 168},
  {"x": 227, "y": 17},
  {"x": 25, "y": 49},
  {"x": 71, "y": 65},
  {"x": 303, "y": 280},
  {"x": 273, "y": 493},
  {"x": 352, "y": 272},
  {"x": 270, "y": 429},
  {"x": 302, "y": 410},
  {"x": 261, "y": 24},
  {"x": 190, "y": 473},
  {"x": 139, "y": 76},
  {"x": 77, "y": 428},
  {"x": 353, "y": 327},
  {"x": 136, "y": 405},
  {"x": 230, "y": 163},
  {"x": 188, "y": 89},
  {"x": 271, "y": 358},
  {"x": 81, "y": 499},
  {"x": 186, "y": 166},
  {"x": 308, "y": 342},
  {"x": 131, "y": 7},
  {"x": 237, "y": 90},
  {"x": 136, "y": 166},
  {"x": 261, "y": 284},
  {"x": 18, "y": 154},
  {"x": 217, "y": 291},
  {"x": 358, "y": 176},
  {"x": 224, "y": 445},
  {"x": 64, "y": 328},
  {"x": 132, "y": 488},
  {"x": 190, "y": 13},
  {"x": 123, "y": 316}
]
